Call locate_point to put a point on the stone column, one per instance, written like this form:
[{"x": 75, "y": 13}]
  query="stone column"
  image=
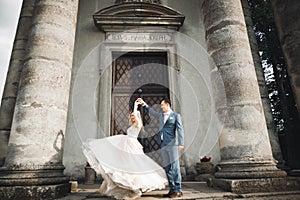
[
  {"x": 287, "y": 20},
  {"x": 13, "y": 76},
  {"x": 286, "y": 15},
  {"x": 273, "y": 134},
  {"x": 244, "y": 143},
  {"x": 33, "y": 166}
]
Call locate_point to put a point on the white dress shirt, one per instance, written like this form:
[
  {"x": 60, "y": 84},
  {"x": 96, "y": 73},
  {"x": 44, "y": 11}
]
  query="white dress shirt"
[{"x": 166, "y": 116}]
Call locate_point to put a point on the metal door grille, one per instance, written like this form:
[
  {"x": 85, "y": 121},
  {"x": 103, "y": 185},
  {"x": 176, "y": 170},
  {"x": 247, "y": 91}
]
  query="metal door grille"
[{"x": 130, "y": 72}]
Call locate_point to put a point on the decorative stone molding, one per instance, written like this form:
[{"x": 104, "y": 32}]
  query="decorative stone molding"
[{"x": 134, "y": 15}]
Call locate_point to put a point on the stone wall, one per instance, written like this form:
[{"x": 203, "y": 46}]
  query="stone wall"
[{"x": 85, "y": 108}]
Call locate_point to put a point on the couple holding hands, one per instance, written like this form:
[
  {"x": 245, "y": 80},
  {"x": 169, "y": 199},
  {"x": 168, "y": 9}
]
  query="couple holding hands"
[{"x": 126, "y": 171}]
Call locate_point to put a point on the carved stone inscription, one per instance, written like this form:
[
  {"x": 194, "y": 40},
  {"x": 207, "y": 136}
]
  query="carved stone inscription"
[{"x": 139, "y": 37}]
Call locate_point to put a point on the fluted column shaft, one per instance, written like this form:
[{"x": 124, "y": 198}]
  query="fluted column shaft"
[
  {"x": 36, "y": 141},
  {"x": 13, "y": 76},
  {"x": 244, "y": 142}
]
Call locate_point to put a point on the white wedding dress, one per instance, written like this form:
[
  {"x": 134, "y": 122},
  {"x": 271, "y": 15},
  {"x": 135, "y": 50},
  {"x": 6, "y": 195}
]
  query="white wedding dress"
[{"x": 126, "y": 170}]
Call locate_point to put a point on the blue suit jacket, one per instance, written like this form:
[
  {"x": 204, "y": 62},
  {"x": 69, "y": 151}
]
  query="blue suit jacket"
[{"x": 169, "y": 129}]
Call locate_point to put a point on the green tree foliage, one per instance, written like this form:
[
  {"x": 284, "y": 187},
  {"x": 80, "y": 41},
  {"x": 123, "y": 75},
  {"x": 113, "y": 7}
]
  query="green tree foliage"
[{"x": 280, "y": 92}]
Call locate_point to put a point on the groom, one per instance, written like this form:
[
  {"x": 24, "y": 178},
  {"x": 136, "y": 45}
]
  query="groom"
[{"x": 169, "y": 124}]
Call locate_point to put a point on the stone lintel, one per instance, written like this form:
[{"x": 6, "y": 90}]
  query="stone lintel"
[
  {"x": 34, "y": 192},
  {"x": 242, "y": 186}
]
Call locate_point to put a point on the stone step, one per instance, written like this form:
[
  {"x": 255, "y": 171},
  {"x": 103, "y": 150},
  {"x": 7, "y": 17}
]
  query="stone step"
[{"x": 242, "y": 186}]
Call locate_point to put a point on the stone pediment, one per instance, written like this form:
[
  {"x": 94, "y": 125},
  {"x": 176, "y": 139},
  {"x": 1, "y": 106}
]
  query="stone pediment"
[{"x": 134, "y": 15}]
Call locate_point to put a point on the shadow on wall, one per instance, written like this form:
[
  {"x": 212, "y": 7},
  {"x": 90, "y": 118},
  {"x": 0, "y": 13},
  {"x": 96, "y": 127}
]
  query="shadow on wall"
[{"x": 58, "y": 146}]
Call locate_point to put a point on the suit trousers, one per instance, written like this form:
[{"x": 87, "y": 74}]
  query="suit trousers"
[{"x": 171, "y": 165}]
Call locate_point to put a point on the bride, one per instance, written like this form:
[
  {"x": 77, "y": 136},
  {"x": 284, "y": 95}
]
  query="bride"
[{"x": 120, "y": 160}]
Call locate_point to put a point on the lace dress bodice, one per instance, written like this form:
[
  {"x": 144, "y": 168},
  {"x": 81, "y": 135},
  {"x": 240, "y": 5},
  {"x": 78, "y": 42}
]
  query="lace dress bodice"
[{"x": 133, "y": 131}]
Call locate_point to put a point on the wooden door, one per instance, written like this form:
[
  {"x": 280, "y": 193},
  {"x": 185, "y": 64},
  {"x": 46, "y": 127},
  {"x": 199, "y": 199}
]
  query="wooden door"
[{"x": 136, "y": 75}]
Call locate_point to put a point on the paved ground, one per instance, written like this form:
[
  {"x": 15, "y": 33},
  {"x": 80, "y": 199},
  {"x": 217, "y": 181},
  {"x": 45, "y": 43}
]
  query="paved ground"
[{"x": 191, "y": 190}]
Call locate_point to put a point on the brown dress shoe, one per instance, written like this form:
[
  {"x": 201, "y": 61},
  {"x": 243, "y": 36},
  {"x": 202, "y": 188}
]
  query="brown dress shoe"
[{"x": 175, "y": 195}]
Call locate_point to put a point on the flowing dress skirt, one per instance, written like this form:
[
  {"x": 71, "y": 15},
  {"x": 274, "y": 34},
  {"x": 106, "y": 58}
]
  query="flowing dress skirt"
[{"x": 126, "y": 170}]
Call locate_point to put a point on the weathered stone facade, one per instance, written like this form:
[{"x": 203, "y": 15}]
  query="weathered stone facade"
[{"x": 58, "y": 90}]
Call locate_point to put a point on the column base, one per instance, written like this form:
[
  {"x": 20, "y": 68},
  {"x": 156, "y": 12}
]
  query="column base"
[
  {"x": 33, "y": 182},
  {"x": 251, "y": 176},
  {"x": 248, "y": 169},
  {"x": 34, "y": 192},
  {"x": 242, "y": 186}
]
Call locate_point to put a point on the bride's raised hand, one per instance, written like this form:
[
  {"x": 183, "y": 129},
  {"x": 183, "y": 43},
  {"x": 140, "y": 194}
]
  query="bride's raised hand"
[{"x": 137, "y": 102}]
